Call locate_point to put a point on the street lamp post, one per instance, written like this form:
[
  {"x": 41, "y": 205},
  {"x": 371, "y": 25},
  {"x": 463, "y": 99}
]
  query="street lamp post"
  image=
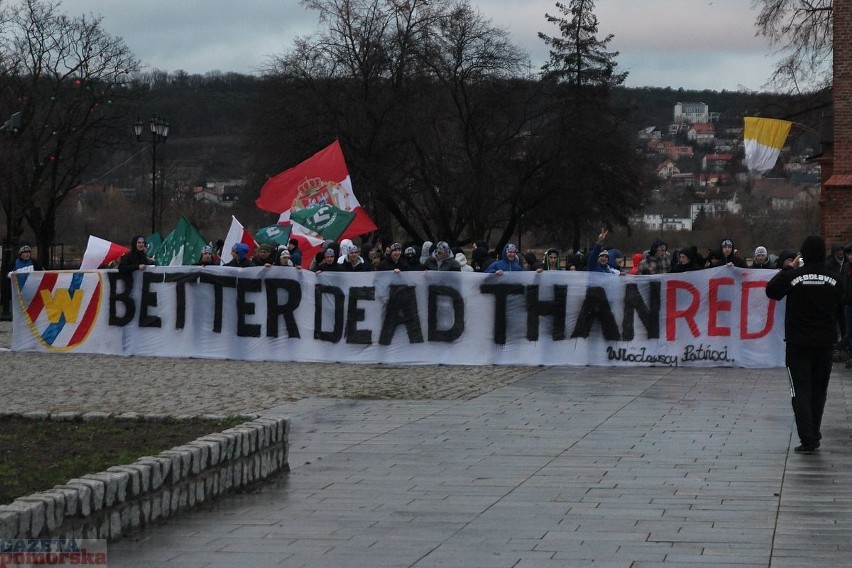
[{"x": 159, "y": 129}]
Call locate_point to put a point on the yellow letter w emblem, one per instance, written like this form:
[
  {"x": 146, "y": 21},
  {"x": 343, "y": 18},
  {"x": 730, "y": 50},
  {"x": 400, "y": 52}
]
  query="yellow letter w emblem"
[{"x": 62, "y": 304}]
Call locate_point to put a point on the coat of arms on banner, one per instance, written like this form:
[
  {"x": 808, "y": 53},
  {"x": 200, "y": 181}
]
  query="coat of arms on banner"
[
  {"x": 61, "y": 308},
  {"x": 316, "y": 191}
]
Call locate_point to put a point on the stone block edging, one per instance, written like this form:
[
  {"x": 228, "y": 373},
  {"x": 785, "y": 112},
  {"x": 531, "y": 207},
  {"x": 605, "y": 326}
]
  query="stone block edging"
[{"x": 112, "y": 503}]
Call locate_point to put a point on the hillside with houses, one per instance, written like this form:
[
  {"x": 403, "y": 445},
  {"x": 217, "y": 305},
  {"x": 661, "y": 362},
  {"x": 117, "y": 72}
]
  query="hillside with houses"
[{"x": 696, "y": 162}]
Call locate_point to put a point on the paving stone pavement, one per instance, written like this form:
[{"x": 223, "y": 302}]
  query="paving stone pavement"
[{"x": 554, "y": 467}]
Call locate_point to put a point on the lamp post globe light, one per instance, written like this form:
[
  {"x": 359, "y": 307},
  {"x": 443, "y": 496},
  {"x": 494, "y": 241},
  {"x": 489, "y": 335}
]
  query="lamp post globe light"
[{"x": 159, "y": 129}]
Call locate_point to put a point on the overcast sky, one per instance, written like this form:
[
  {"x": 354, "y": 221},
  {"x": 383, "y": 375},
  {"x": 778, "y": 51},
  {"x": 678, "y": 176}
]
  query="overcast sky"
[{"x": 694, "y": 44}]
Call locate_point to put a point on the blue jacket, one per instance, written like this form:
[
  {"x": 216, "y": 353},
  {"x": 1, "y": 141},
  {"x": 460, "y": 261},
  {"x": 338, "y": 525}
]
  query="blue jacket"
[
  {"x": 594, "y": 266},
  {"x": 504, "y": 264}
]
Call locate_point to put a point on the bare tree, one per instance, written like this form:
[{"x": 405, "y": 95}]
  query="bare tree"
[
  {"x": 802, "y": 30},
  {"x": 67, "y": 76},
  {"x": 417, "y": 91}
]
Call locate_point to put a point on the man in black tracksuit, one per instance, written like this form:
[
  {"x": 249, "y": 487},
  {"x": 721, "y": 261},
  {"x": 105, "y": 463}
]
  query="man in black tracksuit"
[{"x": 813, "y": 295}]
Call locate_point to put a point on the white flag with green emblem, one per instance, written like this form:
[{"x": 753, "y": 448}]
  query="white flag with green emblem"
[
  {"x": 182, "y": 247},
  {"x": 326, "y": 220}
]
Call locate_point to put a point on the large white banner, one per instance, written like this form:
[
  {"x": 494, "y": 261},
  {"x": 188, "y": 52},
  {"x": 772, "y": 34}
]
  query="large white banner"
[{"x": 708, "y": 318}]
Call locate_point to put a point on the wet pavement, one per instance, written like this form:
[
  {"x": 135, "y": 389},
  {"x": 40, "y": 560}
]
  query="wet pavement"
[{"x": 488, "y": 467}]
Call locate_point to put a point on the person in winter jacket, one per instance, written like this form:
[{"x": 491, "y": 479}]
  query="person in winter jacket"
[
  {"x": 263, "y": 255},
  {"x": 602, "y": 264},
  {"x": 394, "y": 260},
  {"x": 25, "y": 261},
  {"x": 329, "y": 262},
  {"x": 813, "y": 294},
  {"x": 507, "y": 263},
  {"x": 411, "y": 256},
  {"x": 685, "y": 261},
  {"x": 479, "y": 258},
  {"x": 206, "y": 257},
  {"x": 637, "y": 260},
  {"x": 442, "y": 259},
  {"x": 551, "y": 261},
  {"x": 729, "y": 255},
  {"x": 295, "y": 252},
  {"x": 599, "y": 258},
  {"x": 658, "y": 260},
  {"x": 761, "y": 259},
  {"x": 239, "y": 256},
  {"x": 354, "y": 262},
  {"x": 136, "y": 258}
]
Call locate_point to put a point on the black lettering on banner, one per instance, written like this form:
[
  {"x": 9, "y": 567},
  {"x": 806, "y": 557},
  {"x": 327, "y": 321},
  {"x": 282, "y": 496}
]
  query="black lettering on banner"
[
  {"x": 648, "y": 314},
  {"x": 596, "y": 307},
  {"x": 274, "y": 309},
  {"x": 149, "y": 300},
  {"x": 338, "y": 298},
  {"x": 246, "y": 308},
  {"x": 124, "y": 298},
  {"x": 355, "y": 314},
  {"x": 218, "y": 282},
  {"x": 501, "y": 293},
  {"x": 180, "y": 279},
  {"x": 457, "y": 329},
  {"x": 556, "y": 308},
  {"x": 401, "y": 309}
]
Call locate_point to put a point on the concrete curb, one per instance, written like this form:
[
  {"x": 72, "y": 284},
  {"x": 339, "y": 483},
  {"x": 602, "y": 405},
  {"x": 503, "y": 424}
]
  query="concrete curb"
[{"x": 112, "y": 503}]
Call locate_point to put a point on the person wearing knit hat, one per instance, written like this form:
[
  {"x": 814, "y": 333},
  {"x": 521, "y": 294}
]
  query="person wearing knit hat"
[
  {"x": 729, "y": 255},
  {"x": 394, "y": 260},
  {"x": 598, "y": 259},
  {"x": 263, "y": 255},
  {"x": 239, "y": 256},
  {"x": 354, "y": 262},
  {"x": 761, "y": 259},
  {"x": 328, "y": 262},
  {"x": 206, "y": 257},
  {"x": 813, "y": 293},
  {"x": 285, "y": 259},
  {"x": 443, "y": 259},
  {"x": 25, "y": 261}
]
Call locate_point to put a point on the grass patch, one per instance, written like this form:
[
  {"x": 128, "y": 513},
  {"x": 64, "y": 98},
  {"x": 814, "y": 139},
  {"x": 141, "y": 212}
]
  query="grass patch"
[{"x": 35, "y": 455}]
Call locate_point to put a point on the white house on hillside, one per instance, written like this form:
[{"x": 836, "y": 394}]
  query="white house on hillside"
[{"x": 691, "y": 112}]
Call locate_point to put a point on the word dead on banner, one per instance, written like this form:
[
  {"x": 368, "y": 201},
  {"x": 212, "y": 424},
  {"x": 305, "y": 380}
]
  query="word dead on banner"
[{"x": 718, "y": 317}]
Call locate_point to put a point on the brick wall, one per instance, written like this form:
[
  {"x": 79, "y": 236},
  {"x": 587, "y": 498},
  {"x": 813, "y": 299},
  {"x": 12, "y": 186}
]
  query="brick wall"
[{"x": 836, "y": 198}]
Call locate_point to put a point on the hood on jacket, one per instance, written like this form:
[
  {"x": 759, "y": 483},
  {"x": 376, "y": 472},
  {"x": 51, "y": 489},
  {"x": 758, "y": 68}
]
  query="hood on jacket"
[
  {"x": 614, "y": 254},
  {"x": 637, "y": 259},
  {"x": 506, "y": 248},
  {"x": 242, "y": 250}
]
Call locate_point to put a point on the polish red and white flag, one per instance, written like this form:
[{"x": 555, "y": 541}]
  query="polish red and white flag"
[
  {"x": 321, "y": 179},
  {"x": 236, "y": 234},
  {"x": 100, "y": 252}
]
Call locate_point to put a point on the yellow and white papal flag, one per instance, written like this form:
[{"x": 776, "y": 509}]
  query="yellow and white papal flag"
[{"x": 763, "y": 139}]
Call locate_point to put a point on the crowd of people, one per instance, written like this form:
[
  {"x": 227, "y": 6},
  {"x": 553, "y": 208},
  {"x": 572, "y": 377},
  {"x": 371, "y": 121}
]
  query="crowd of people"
[{"x": 347, "y": 256}]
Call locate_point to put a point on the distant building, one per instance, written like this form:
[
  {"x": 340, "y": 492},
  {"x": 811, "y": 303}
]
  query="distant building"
[
  {"x": 692, "y": 113},
  {"x": 667, "y": 169},
  {"x": 702, "y": 133},
  {"x": 649, "y": 133},
  {"x": 659, "y": 222},
  {"x": 716, "y": 162}
]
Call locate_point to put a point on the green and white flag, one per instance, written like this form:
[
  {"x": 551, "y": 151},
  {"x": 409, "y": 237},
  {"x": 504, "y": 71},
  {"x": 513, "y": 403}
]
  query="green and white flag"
[
  {"x": 326, "y": 220},
  {"x": 182, "y": 246},
  {"x": 274, "y": 234},
  {"x": 153, "y": 244}
]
